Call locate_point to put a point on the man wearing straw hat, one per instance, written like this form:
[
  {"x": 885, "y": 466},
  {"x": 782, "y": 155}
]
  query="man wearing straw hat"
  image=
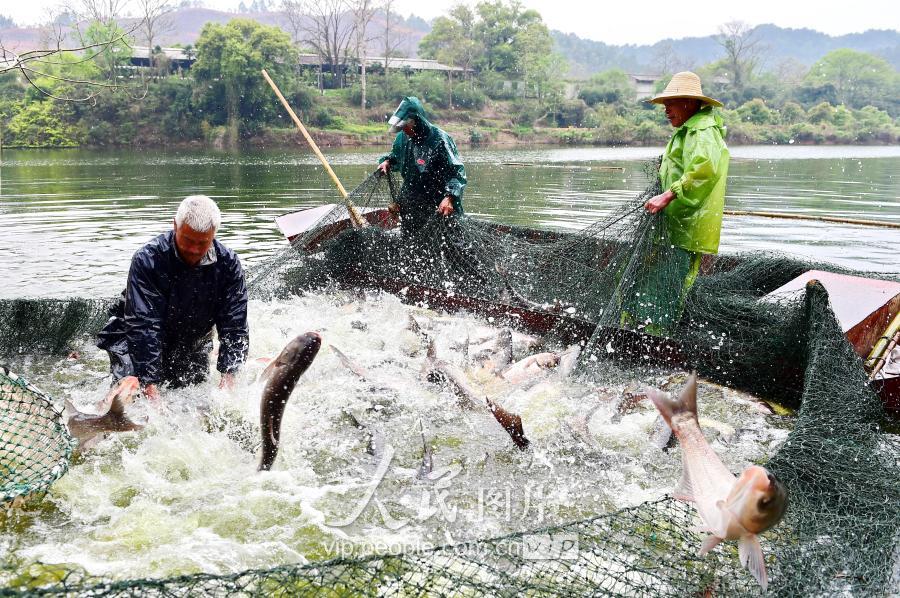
[{"x": 692, "y": 176}]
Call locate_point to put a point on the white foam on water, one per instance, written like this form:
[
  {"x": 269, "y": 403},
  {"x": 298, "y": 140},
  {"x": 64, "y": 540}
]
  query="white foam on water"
[{"x": 183, "y": 495}]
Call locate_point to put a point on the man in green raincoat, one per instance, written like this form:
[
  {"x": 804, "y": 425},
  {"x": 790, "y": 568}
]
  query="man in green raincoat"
[
  {"x": 693, "y": 176},
  {"x": 433, "y": 175}
]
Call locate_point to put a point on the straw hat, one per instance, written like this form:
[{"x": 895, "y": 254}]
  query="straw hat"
[{"x": 684, "y": 85}]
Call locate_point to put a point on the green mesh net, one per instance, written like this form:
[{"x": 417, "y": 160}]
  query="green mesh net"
[
  {"x": 35, "y": 447},
  {"x": 608, "y": 286},
  {"x": 51, "y": 326}
]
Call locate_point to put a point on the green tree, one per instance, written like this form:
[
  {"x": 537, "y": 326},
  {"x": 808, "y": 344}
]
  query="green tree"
[
  {"x": 501, "y": 42},
  {"x": 755, "y": 111},
  {"x": 792, "y": 112},
  {"x": 42, "y": 124},
  {"x": 114, "y": 51},
  {"x": 609, "y": 87},
  {"x": 822, "y": 112},
  {"x": 66, "y": 76},
  {"x": 540, "y": 66},
  {"x": 858, "y": 78},
  {"x": 229, "y": 85},
  {"x": 496, "y": 29},
  {"x": 452, "y": 40}
]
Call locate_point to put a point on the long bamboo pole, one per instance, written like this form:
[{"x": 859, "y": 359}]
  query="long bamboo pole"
[
  {"x": 357, "y": 220},
  {"x": 787, "y": 216},
  {"x": 883, "y": 348}
]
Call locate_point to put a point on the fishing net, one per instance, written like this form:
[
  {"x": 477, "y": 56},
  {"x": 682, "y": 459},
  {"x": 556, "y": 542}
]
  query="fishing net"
[
  {"x": 637, "y": 305},
  {"x": 48, "y": 326},
  {"x": 35, "y": 447}
]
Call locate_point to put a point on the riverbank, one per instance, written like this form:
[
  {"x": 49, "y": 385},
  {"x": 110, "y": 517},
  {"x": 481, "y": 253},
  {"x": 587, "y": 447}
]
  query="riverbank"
[
  {"x": 468, "y": 137},
  {"x": 335, "y": 121}
]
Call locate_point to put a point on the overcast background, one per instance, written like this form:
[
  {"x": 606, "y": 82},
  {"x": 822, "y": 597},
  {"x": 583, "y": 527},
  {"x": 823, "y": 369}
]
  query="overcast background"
[{"x": 642, "y": 22}]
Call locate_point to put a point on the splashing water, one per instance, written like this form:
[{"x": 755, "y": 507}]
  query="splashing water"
[{"x": 183, "y": 495}]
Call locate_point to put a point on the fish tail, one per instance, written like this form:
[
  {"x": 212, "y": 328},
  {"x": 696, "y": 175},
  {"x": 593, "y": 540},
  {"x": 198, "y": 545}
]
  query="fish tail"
[
  {"x": 751, "y": 556},
  {"x": 684, "y": 404}
]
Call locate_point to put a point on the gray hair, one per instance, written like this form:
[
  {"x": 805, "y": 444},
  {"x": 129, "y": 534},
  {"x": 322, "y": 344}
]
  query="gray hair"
[{"x": 199, "y": 212}]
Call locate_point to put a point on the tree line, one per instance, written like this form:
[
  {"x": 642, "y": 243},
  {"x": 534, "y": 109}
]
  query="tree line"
[{"x": 508, "y": 81}]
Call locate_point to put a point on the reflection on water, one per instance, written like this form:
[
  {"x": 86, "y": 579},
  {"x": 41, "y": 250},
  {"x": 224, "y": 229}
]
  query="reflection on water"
[{"x": 72, "y": 219}]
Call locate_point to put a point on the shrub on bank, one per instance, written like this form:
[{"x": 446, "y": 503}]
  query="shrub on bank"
[{"x": 43, "y": 124}]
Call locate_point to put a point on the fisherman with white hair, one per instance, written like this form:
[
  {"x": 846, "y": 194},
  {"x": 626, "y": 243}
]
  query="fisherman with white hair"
[{"x": 181, "y": 285}]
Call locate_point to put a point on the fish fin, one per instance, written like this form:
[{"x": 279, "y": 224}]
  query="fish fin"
[
  {"x": 684, "y": 490},
  {"x": 708, "y": 544},
  {"x": 750, "y": 553},
  {"x": 669, "y": 407},
  {"x": 268, "y": 370},
  {"x": 116, "y": 421},
  {"x": 349, "y": 364},
  {"x": 71, "y": 410},
  {"x": 412, "y": 325}
]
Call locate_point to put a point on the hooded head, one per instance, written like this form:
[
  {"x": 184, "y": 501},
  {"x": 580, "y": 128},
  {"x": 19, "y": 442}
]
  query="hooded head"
[{"x": 409, "y": 108}]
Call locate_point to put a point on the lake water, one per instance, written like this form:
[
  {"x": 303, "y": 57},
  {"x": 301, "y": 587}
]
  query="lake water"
[
  {"x": 182, "y": 497},
  {"x": 72, "y": 218}
]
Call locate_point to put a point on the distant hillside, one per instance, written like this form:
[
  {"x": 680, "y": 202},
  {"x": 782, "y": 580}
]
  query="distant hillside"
[
  {"x": 802, "y": 45},
  {"x": 584, "y": 56},
  {"x": 189, "y": 22}
]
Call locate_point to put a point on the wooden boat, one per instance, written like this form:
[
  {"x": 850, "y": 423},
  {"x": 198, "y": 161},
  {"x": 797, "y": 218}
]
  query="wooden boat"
[{"x": 868, "y": 310}]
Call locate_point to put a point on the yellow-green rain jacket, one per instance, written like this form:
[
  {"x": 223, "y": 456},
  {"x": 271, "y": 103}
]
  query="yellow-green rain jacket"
[{"x": 695, "y": 168}]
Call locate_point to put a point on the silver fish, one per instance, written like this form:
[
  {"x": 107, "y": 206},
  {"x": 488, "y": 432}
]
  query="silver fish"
[
  {"x": 730, "y": 508},
  {"x": 439, "y": 371},
  {"x": 87, "y": 428}
]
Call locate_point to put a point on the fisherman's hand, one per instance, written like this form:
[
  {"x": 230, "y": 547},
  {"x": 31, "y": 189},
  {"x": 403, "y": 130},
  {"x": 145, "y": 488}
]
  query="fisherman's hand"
[
  {"x": 394, "y": 208},
  {"x": 385, "y": 167},
  {"x": 446, "y": 207},
  {"x": 151, "y": 392},
  {"x": 126, "y": 388},
  {"x": 227, "y": 382},
  {"x": 658, "y": 202}
]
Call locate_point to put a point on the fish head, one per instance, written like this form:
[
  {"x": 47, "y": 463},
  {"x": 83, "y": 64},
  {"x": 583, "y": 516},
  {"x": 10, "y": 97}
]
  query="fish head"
[
  {"x": 297, "y": 355},
  {"x": 758, "y": 500}
]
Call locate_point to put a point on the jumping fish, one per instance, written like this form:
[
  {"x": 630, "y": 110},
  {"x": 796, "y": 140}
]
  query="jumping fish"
[
  {"x": 502, "y": 354},
  {"x": 439, "y": 371},
  {"x": 86, "y": 428},
  {"x": 730, "y": 508},
  {"x": 529, "y": 368},
  {"x": 281, "y": 377}
]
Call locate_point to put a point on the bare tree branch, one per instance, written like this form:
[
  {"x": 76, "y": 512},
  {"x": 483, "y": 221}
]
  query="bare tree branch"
[
  {"x": 325, "y": 26},
  {"x": 363, "y": 11},
  {"x": 390, "y": 43},
  {"x": 26, "y": 62},
  {"x": 742, "y": 52},
  {"x": 156, "y": 20}
]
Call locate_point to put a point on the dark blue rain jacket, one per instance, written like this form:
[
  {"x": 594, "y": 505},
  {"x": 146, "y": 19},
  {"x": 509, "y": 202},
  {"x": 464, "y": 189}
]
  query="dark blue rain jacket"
[{"x": 169, "y": 309}]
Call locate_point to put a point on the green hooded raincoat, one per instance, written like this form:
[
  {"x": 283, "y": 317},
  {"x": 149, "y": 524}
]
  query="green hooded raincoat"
[
  {"x": 695, "y": 168},
  {"x": 429, "y": 164}
]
